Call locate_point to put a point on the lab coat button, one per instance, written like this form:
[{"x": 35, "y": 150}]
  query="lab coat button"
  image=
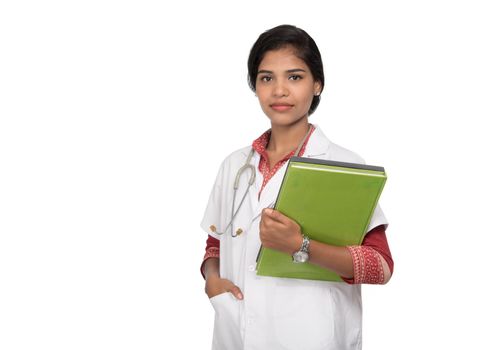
[{"x": 251, "y": 268}]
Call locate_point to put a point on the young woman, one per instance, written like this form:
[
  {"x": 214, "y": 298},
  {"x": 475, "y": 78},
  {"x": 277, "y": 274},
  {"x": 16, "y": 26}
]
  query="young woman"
[{"x": 256, "y": 312}]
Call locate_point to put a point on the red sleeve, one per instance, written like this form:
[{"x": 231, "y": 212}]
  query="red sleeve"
[
  {"x": 212, "y": 250},
  {"x": 212, "y": 242},
  {"x": 367, "y": 264},
  {"x": 376, "y": 239}
]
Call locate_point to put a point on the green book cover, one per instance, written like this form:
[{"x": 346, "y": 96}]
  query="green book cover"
[{"x": 333, "y": 203}]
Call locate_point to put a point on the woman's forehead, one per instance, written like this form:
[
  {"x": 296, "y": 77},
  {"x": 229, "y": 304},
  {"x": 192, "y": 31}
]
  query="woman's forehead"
[{"x": 282, "y": 59}]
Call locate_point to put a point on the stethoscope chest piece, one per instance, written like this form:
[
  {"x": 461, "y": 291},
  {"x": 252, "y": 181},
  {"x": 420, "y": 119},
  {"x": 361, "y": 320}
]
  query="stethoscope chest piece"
[{"x": 242, "y": 169}]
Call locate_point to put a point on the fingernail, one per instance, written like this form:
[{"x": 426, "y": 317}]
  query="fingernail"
[{"x": 240, "y": 296}]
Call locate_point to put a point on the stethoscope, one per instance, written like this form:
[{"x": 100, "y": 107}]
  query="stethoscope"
[{"x": 251, "y": 181}]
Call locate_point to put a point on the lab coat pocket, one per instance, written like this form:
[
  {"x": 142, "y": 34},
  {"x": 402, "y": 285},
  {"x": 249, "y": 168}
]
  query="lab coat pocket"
[
  {"x": 227, "y": 322},
  {"x": 303, "y": 315},
  {"x": 346, "y": 304}
]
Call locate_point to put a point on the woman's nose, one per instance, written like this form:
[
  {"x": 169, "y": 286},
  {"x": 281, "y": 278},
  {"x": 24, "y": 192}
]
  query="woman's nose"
[{"x": 280, "y": 89}]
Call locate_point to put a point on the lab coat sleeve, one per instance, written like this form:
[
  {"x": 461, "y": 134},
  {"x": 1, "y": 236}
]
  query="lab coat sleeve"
[
  {"x": 214, "y": 211},
  {"x": 377, "y": 219}
]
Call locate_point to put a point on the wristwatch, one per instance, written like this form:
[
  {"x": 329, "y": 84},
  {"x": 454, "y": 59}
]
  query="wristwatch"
[{"x": 301, "y": 256}]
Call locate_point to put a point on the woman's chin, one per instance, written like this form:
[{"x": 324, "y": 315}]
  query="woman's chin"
[{"x": 283, "y": 120}]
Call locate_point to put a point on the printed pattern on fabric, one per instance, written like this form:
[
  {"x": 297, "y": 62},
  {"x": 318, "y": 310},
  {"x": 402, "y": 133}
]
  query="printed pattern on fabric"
[
  {"x": 367, "y": 265},
  {"x": 212, "y": 252},
  {"x": 260, "y": 146}
]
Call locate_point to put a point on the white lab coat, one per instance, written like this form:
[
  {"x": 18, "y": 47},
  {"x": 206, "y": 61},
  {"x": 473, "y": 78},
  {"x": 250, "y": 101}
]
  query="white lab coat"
[{"x": 276, "y": 313}]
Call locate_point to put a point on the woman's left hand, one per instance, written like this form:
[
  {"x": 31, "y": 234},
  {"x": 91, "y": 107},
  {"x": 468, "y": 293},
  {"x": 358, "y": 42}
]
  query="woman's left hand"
[{"x": 279, "y": 232}]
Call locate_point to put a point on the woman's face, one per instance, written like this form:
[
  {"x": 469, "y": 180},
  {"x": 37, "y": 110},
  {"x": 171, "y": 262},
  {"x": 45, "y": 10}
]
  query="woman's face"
[{"x": 285, "y": 87}]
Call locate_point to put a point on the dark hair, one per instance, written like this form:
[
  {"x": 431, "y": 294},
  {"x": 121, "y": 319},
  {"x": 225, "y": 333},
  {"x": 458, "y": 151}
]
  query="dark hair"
[{"x": 280, "y": 37}]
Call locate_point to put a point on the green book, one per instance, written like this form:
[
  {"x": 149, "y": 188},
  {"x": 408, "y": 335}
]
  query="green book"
[{"x": 333, "y": 203}]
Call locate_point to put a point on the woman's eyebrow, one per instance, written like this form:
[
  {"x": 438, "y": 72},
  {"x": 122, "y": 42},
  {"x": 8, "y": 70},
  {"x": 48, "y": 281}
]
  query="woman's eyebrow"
[
  {"x": 263, "y": 71},
  {"x": 296, "y": 70}
]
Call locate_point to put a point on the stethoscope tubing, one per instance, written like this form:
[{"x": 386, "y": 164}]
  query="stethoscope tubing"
[{"x": 242, "y": 169}]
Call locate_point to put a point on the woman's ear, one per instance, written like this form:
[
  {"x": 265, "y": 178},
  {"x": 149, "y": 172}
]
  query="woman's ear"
[{"x": 317, "y": 88}]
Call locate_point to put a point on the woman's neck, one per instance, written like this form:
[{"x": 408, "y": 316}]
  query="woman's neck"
[{"x": 285, "y": 139}]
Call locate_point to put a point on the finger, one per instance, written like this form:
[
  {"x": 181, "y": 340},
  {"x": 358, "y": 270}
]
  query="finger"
[
  {"x": 261, "y": 227},
  {"x": 236, "y": 292},
  {"x": 274, "y": 215},
  {"x": 267, "y": 223},
  {"x": 267, "y": 218},
  {"x": 282, "y": 221},
  {"x": 266, "y": 228}
]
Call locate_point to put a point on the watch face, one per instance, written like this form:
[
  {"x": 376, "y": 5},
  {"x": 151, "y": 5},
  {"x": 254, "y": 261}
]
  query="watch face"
[{"x": 300, "y": 257}]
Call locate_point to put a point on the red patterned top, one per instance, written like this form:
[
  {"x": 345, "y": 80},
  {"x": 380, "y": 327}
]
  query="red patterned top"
[
  {"x": 260, "y": 146},
  {"x": 367, "y": 264}
]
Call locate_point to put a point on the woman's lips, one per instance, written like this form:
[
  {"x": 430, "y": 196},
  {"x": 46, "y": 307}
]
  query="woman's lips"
[{"x": 280, "y": 107}]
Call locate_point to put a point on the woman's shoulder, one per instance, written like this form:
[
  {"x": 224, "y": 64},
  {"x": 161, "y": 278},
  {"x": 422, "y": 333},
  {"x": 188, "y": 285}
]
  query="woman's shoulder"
[
  {"x": 238, "y": 156},
  {"x": 320, "y": 145},
  {"x": 339, "y": 153}
]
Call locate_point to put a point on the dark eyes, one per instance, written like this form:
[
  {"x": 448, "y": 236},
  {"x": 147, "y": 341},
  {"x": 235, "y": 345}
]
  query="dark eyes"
[
  {"x": 267, "y": 78},
  {"x": 294, "y": 77}
]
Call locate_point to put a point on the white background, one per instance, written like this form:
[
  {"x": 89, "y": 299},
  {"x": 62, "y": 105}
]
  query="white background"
[{"x": 115, "y": 116}]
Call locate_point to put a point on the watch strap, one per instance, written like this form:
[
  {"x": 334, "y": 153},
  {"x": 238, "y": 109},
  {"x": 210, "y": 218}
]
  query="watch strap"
[{"x": 305, "y": 245}]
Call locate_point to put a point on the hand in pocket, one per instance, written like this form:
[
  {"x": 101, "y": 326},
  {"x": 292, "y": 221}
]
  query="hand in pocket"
[{"x": 215, "y": 285}]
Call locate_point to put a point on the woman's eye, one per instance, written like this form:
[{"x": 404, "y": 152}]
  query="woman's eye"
[
  {"x": 295, "y": 77},
  {"x": 266, "y": 78}
]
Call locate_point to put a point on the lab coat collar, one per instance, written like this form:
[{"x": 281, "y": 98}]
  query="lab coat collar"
[
  {"x": 318, "y": 144},
  {"x": 317, "y": 147}
]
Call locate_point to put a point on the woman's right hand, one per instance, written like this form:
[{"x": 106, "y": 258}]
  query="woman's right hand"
[{"x": 214, "y": 285}]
